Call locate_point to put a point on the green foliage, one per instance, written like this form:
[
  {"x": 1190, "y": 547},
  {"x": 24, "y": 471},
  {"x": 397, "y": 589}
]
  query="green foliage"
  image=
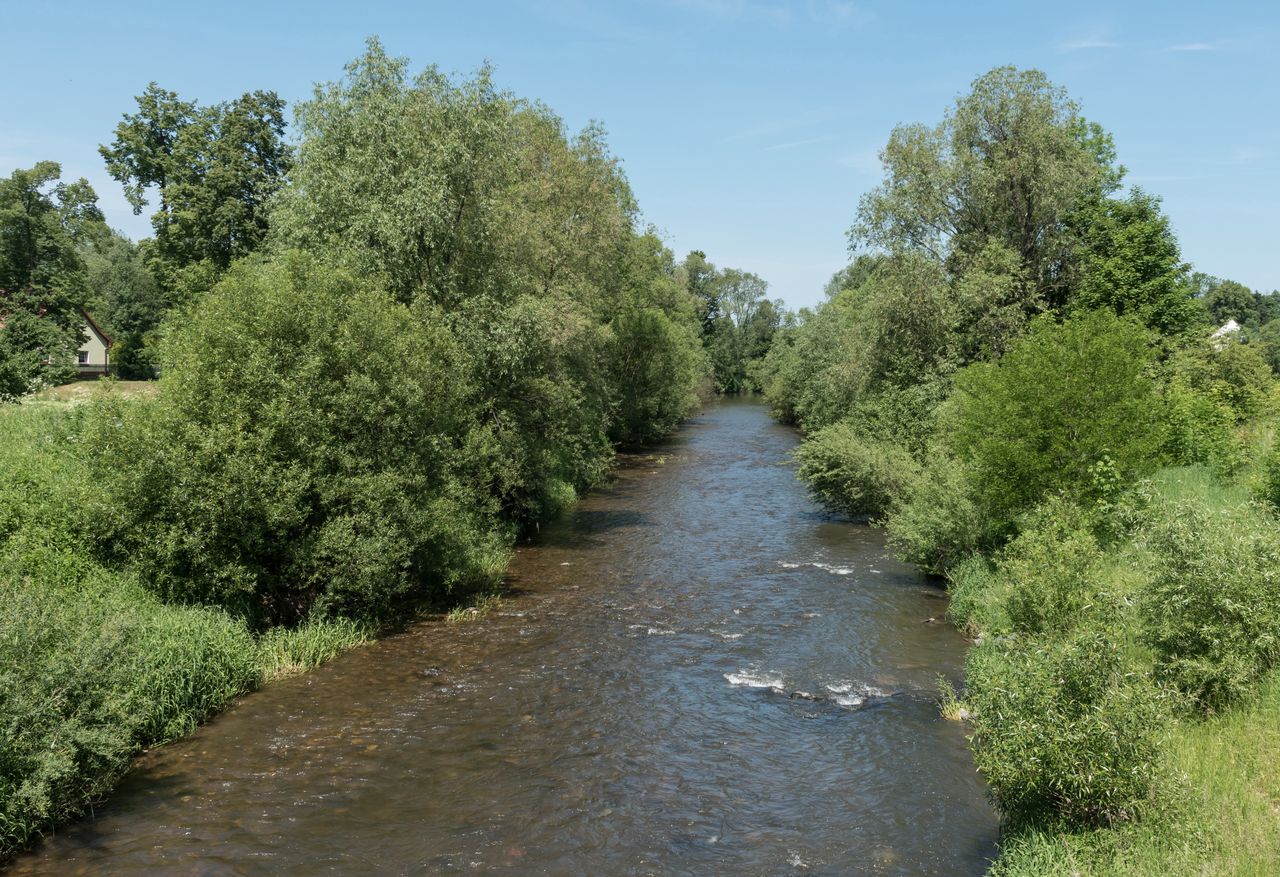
[
  {"x": 1127, "y": 259},
  {"x": 215, "y": 168},
  {"x": 654, "y": 366},
  {"x": 977, "y": 597},
  {"x": 92, "y": 668},
  {"x": 855, "y": 474},
  {"x": 1006, "y": 166},
  {"x": 743, "y": 326},
  {"x": 1212, "y": 609},
  {"x": 42, "y": 222},
  {"x": 1228, "y": 300},
  {"x": 1053, "y": 573},
  {"x": 286, "y": 651},
  {"x": 37, "y": 349},
  {"x": 1222, "y": 821},
  {"x": 1063, "y": 733},
  {"x": 938, "y": 524},
  {"x": 305, "y": 460},
  {"x": 1038, "y": 421},
  {"x": 1198, "y": 427},
  {"x": 884, "y": 344},
  {"x": 1233, "y": 374}
]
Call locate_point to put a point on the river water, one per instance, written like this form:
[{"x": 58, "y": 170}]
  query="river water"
[{"x": 698, "y": 673}]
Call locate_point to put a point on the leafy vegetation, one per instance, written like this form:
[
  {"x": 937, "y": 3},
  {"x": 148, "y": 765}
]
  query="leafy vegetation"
[
  {"x": 1075, "y": 452},
  {"x": 385, "y": 351}
]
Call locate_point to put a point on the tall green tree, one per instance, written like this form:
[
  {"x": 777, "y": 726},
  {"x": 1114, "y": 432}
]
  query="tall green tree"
[
  {"x": 214, "y": 170},
  {"x": 1127, "y": 259},
  {"x": 43, "y": 222},
  {"x": 1005, "y": 168},
  {"x": 45, "y": 226}
]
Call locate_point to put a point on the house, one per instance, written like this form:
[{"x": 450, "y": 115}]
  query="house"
[
  {"x": 1224, "y": 334},
  {"x": 93, "y": 359}
]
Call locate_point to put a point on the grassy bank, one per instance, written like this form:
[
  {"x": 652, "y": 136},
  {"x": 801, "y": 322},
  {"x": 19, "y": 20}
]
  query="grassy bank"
[
  {"x": 1124, "y": 698},
  {"x": 93, "y": 667},
  {"x": 1227, "y": 821}
]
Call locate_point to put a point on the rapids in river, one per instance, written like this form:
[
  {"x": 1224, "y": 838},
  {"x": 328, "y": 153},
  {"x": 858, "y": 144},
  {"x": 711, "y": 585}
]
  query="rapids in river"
[{"x": 697, "y": 672}]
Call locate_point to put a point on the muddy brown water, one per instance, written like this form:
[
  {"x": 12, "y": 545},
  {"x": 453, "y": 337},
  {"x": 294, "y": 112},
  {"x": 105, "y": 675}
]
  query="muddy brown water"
[{"x": 699, "y": 673}]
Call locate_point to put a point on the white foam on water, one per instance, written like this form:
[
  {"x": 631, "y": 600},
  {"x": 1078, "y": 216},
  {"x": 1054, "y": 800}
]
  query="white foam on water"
[
  {"x": 658, "y": 631},
  {"x": 849, "y": 699},
  {"x": 787, "y": 565},
  {"x": 812, "y": 615},
  {"x": 794, "y": 860},
  {"x": 835, "y": 570},
  {"x": 729, "y": 635},
  {"x": 754, "y": 679}
]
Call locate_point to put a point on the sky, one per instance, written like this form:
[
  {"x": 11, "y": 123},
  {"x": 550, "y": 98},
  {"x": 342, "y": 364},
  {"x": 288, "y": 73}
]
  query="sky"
[{"x": 748, "y": 129}]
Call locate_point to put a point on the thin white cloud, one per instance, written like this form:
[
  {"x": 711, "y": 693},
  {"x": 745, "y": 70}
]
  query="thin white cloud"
[
  {"x": 1089, "y": 42},
  {"x": 1210, "y": 46},
  {"x": 864, "y": 161},
  {"x": 798, "y": 143}
]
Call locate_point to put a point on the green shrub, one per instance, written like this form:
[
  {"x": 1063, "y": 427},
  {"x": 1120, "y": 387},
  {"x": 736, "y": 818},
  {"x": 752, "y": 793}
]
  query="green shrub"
[
  {"x": 1040, "y": 419},
  {"x": 938, "y": 524},
  {"x": 1053, "y": 571},
  {"x": 978, "y": 594},
  {"x": 91, "y": 670},
  {"x": 1063, "y": 733},
  {"x": 1199, "y": 429},
  {"x": 857, "y": 475},
  {"x": 306, "y": 453},
  {"x": 1212, "y": 608}
]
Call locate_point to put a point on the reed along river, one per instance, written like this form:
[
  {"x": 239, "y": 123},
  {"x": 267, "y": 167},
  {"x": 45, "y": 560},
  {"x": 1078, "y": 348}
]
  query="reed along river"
[{"x": 699, "y": 673}]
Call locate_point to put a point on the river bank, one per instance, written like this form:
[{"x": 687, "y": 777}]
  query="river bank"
[{"x": 628, "y": 709}]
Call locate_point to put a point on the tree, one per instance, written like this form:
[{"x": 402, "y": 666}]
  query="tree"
[
  {"x": 44, "y": 226},
  {"x": 1066, "y": 399},
  {"x": 404, "y": 179},
  {"x": 700, "y": 279},
  {"x": 1007, "y": 165},
  {"x": 297, "y": 465},
  {"x": 1228, "y": 300},
  {"x": 126, "y": 299},
  {"x": 1127, "y": 259},
  {"x": 215, "y": 169},
  {"x": 42, "y": 223}
]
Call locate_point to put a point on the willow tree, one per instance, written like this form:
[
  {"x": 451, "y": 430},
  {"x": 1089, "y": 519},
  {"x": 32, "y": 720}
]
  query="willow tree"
[
  {"x": 520, "y": 238},
  {"x": 1005, "y": 168}
]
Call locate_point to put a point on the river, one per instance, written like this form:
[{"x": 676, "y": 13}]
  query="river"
[{"x": 698, "y": 672}]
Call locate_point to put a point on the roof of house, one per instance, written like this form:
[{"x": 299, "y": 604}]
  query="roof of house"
[
  {"x": 106, "y": 339},
  {"x": 97, "y": 330}
]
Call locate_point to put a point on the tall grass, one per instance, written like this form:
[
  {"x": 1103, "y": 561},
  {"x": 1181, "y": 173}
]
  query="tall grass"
[
  {"x": 1226, "y": 822},
  {"x": 93, "y": 667}
]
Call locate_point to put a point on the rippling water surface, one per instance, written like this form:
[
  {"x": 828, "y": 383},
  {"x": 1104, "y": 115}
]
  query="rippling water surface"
[{"x": 700, "y": 673}]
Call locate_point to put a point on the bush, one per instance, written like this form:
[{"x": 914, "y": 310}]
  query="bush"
[
  {"x": 977, "y": 592},
  {"x": 1199, "y": 429},
  {"x": 91, "y": 670},
  {"x": 1212, "y": 608},
  {"x": 1053, "y": 572},
  {"x": 1039, "y": 420},
  {"x": 857, "y": 475},
  {"x": 938, "y": 524},
  {"x": 1062, "y": 733},
  {"x": 304, "y": 454}
]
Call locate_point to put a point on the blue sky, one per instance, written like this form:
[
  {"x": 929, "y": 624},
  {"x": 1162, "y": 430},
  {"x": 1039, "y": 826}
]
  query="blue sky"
[{"x": 748, "y": 128}]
